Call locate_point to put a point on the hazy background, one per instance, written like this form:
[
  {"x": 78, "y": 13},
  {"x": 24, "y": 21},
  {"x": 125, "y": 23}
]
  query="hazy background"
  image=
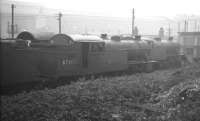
[{"x": 100, "y": 16}]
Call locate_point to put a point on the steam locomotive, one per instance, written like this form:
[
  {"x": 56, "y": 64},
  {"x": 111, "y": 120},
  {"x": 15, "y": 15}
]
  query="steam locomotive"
[{"x": 30, "y": 56}]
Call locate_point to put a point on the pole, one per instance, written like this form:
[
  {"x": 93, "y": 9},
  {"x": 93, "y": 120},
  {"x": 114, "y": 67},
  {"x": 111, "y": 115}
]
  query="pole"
[
  {"x": 179, "y": 27},
  {"x": 12, "y": 22},
  {"x": 195, "y": 25},
  {"x": 186, "y": 26},
  {"x": 59, "y": 19},
  {"x": 133, "y": 22},
  {"x": 169, "y": 31}
]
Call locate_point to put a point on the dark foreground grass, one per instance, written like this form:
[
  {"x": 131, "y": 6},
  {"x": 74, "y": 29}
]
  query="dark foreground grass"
[{"x": 159, "y": 96}]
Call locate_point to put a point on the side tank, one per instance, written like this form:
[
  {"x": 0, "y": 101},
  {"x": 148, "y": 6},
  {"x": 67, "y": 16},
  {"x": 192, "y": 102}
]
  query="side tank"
[
  {"x": 165, "y": 50},
  {"x": 21, "y": 59},
  {"x": 172, "y": 48},
  {"x": 138, "y": 49},
  {"x": 18, "y": 62}
]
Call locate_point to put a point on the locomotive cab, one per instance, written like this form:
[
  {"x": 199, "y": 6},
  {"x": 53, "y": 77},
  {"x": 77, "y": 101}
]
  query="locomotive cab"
[
  {"x": 90, "y": 47},
  {"x": 73, "y": 55}
]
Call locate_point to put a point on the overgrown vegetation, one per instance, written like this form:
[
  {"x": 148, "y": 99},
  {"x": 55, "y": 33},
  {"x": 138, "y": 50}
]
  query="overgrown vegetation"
[{"x": 159, "y": 96}]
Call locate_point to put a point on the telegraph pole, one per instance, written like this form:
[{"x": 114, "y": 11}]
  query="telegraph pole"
[
  {"x": 169, "y": 31},
  {"x": 179, "y": 26},
  {"x": 186, "y": 26},
  {"x": 133, "y": 21},
  {"x": 12, "y": 22},
  {"x": 195, "y": 25},
  {"x": 59, "y": 20}
]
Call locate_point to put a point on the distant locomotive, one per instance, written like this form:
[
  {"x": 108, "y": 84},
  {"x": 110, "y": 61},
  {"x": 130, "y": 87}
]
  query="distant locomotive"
[
  {"x": 146, "y": 52},
  {"x": 31, "y": 57}
]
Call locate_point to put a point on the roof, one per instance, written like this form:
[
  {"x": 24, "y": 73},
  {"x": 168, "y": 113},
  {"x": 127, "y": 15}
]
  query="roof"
[
  {"x": 35, "y": 36},
  {"x": 86, "y": 38},
  {"x": 49, "y": 35},
  {"x": 58, "y": 39},
  {"x": 189, "y": 33},
  {"x": 63, "y": 39},
  {"x": 148, "y": 39}
]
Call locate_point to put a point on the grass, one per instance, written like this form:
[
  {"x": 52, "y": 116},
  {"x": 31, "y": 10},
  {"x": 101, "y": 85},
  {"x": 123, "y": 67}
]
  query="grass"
[{"x": 162, "y": 95}]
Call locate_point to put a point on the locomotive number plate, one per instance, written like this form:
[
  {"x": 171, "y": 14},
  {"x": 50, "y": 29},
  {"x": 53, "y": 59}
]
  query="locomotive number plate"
[{"x": 67, "y": 61}]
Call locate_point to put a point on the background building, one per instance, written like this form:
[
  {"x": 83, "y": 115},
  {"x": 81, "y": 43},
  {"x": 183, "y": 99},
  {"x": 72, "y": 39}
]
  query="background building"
[{"x": 190, "y": 42}]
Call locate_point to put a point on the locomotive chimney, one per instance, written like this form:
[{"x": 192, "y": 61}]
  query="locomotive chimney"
[
  {"x": 133, "y": 21},
  {"x": 59, "y": 20}
]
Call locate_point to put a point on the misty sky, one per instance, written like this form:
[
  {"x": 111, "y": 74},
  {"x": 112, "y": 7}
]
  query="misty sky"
[{"x": 122, "y": 8}]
